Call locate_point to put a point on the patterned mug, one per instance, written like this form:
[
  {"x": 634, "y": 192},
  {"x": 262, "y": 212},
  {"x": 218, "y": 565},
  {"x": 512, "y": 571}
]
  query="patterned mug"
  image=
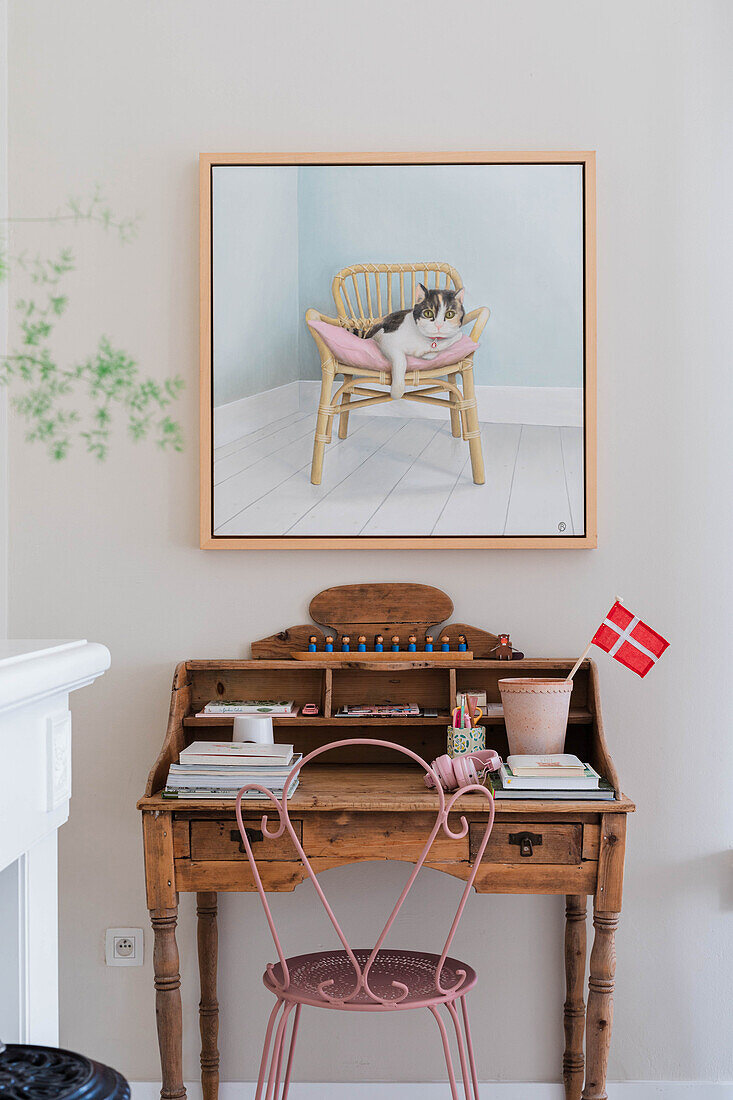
[{"x": 466, "y": 740}]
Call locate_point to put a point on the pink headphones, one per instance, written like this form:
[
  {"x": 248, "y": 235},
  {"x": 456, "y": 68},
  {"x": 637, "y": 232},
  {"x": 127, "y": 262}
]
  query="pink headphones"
[{"x": 460, "y": 771}]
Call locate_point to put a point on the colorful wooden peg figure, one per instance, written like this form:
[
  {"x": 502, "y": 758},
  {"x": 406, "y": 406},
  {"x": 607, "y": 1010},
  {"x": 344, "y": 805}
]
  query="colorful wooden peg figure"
[
  {"x": 379, "y": 643},
  {"x": 428, "y": 643},
  {"x": 462, "y": 647},
  {"x": 345, "y": 639},
  {"x": 361, "y": 648},
  {"x": 329, "y": 643},
  {"x": 395, "y": 643},
  {"x": 412, "y": 644},
  {"x": 444, "y": 643},
  {"x": 312, "y": 644}
]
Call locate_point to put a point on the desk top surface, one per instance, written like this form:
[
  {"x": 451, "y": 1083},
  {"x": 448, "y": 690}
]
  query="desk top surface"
[{"x": 363, "y": 787}]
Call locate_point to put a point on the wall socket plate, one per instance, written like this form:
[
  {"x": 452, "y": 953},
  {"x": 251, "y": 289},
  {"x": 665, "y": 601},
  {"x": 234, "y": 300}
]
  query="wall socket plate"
[{"x": 123, "y": 946}]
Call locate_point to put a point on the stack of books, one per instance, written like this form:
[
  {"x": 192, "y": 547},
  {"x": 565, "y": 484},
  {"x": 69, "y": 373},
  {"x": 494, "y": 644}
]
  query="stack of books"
[
  {"x": 219, "y": 769},
  {"x": 557, "y": 778},
  {"x": 281, "y": 708}
]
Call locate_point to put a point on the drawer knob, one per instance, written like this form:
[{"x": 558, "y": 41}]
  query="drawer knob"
[
  {"x": 526, "y": 842},
  {"x": 253, "y": 835}
]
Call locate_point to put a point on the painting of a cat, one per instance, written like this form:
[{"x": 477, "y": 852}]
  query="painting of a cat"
[{"x": 431, "y": 326}]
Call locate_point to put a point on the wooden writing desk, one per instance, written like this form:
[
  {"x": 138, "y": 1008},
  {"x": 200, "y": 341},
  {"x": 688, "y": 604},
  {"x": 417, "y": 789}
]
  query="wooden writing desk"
[{"x": 362, "y": 805}]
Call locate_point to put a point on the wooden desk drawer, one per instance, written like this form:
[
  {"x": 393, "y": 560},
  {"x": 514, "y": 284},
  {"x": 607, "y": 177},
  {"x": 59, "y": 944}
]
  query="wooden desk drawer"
[
  {"x": 528, "y": 842},
  {"x": 221, "y": 840},
  {"x": 367, "y": 836}
]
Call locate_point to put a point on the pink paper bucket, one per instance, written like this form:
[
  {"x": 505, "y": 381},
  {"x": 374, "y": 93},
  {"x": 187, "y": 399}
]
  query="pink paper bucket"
[{"x": 536, "y": 713}]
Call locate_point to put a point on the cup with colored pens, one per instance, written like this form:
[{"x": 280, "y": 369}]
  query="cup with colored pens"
[{"x": 465, "y": 734}]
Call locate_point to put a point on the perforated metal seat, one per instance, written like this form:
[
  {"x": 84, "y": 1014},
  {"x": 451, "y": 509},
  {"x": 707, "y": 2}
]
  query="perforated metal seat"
[{"x": 331, "y": 974}]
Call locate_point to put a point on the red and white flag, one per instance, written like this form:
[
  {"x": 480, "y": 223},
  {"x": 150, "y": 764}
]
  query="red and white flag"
[{"x": 624, "y": 636}]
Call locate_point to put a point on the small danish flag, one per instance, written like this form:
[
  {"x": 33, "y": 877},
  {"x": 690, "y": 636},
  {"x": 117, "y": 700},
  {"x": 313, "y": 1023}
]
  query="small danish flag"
[{"x": 629, "y": 640}]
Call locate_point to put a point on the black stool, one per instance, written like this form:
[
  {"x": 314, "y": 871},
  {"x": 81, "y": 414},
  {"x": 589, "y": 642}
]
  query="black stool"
[{"x": 45, "y": 1073}]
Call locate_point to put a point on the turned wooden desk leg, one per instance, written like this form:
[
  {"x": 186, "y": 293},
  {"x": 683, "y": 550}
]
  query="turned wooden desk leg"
[
  {"x": 573, "y": 1063},
  {"x": 606, "y": 914},
  {"x": 208, "y": 942},
  {"x": 600, "y": 1004},
  {"x": 168, "y": 1002}
]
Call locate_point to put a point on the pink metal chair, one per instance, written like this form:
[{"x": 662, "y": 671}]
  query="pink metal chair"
[{"x": 366, "y": 980}]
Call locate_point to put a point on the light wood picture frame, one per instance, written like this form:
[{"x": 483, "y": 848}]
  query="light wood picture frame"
[{"x": 258, "y": 443}]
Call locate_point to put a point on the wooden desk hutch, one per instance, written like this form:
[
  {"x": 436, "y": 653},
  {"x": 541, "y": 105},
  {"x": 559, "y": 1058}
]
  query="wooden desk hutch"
[{"x": 345, "y": 808}]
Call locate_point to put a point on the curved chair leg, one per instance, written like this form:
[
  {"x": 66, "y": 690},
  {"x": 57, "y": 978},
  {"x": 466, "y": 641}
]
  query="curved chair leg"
[
  {"x": 291, "y": 1051},
  {"x": 273, "y": 1085},
  {"x": 473, "y": 432},
  {"x": 266, "y": 1047},
  {"x": 323, "y": 426},
  {"x": 344, "y": 416},
  {"x": 469, "y": 1044},
  {"x": 450, "y": 1005},
  {"x": 446, "y": 1052}
]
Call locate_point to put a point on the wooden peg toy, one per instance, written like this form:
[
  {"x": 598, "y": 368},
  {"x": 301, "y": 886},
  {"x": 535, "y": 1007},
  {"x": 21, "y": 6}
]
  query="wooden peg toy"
[
  {"x": 345, "y": 640},
  {"x": 395, "y": 643},
  {"x": 444, "y": 643},
  {"x": 379, "y": 643},
  {"x": 462, "y": 647},
  {"x": 312, "y": 644},
  {"x": 361, "y": 647},
  {"x": 412, "y": 644},
  {"x": 329, "y": 643},
  {"x": 505, "y": 651},
  {"x": 428, "y": 643}
]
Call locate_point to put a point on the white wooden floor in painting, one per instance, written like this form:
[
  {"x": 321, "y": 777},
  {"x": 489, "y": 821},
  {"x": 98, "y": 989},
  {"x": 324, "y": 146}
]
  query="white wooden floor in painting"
[{"x": 399, "y": 476}]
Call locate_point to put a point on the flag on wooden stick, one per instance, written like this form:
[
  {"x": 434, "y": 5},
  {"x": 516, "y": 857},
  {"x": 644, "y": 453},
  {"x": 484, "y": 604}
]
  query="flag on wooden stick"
[{"x": 628, "y": 639}]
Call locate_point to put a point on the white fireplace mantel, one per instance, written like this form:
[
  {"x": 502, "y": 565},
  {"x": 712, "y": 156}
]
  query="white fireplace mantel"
[{"x": 36, "y": 678}]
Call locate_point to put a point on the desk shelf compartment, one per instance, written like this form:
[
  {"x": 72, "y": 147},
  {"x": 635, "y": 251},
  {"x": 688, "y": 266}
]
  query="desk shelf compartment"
[
  {"x": 289, "y": 681},
  {"x": 485, "y": 676},
  {"x": 198, "y": 682}
]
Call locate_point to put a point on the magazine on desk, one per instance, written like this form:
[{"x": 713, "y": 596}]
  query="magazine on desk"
[
  {"x": 234, "y": 754},
  {"x": 587, "y": 780},
  {"x": 378, "y": 710},
  {"x": 227, "y": 793},
  {"x": 248, "y": 706}
]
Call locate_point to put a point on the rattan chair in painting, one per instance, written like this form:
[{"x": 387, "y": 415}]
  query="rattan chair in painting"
[
  {"x": 364, "y": 294},
  {"x": 376, "y": 979}
]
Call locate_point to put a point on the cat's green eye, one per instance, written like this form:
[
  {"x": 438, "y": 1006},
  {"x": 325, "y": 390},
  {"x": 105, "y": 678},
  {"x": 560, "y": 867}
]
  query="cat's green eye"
[
  {"x": 449, "y": 313},
  {"x": 428, "y": 313}
]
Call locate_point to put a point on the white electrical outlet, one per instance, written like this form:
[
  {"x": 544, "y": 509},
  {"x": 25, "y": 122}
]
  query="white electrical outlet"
[{"x": 123, "y": 946}]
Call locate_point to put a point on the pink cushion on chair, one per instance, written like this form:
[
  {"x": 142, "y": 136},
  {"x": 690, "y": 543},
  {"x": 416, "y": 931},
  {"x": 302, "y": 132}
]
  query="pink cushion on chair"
[{"x": 353, "y": 351}]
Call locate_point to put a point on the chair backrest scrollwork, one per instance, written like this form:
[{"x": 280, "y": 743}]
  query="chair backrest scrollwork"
[
  {"x": 361, "y": 972},
  {"x": 367, "y": 292}
]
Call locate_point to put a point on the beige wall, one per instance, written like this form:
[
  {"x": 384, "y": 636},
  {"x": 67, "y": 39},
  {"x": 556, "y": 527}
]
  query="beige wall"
[{"x": 127, "y": 94}]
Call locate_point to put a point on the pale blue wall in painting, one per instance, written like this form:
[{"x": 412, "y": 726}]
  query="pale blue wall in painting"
[
  {"x": 255, "y": 254},
  {"x": 514, "y": 232}
]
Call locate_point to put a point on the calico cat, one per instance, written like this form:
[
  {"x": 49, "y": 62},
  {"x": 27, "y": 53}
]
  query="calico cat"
[{"x": 431, "y": 326}]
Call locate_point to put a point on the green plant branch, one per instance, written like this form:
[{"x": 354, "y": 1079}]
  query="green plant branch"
[
  {"x": 94, "y": 210},
  {"x": 108, "y": 379}
]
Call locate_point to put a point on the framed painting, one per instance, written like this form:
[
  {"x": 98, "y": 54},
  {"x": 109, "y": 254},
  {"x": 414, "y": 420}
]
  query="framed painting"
[{"x": 398, "y": 350}]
